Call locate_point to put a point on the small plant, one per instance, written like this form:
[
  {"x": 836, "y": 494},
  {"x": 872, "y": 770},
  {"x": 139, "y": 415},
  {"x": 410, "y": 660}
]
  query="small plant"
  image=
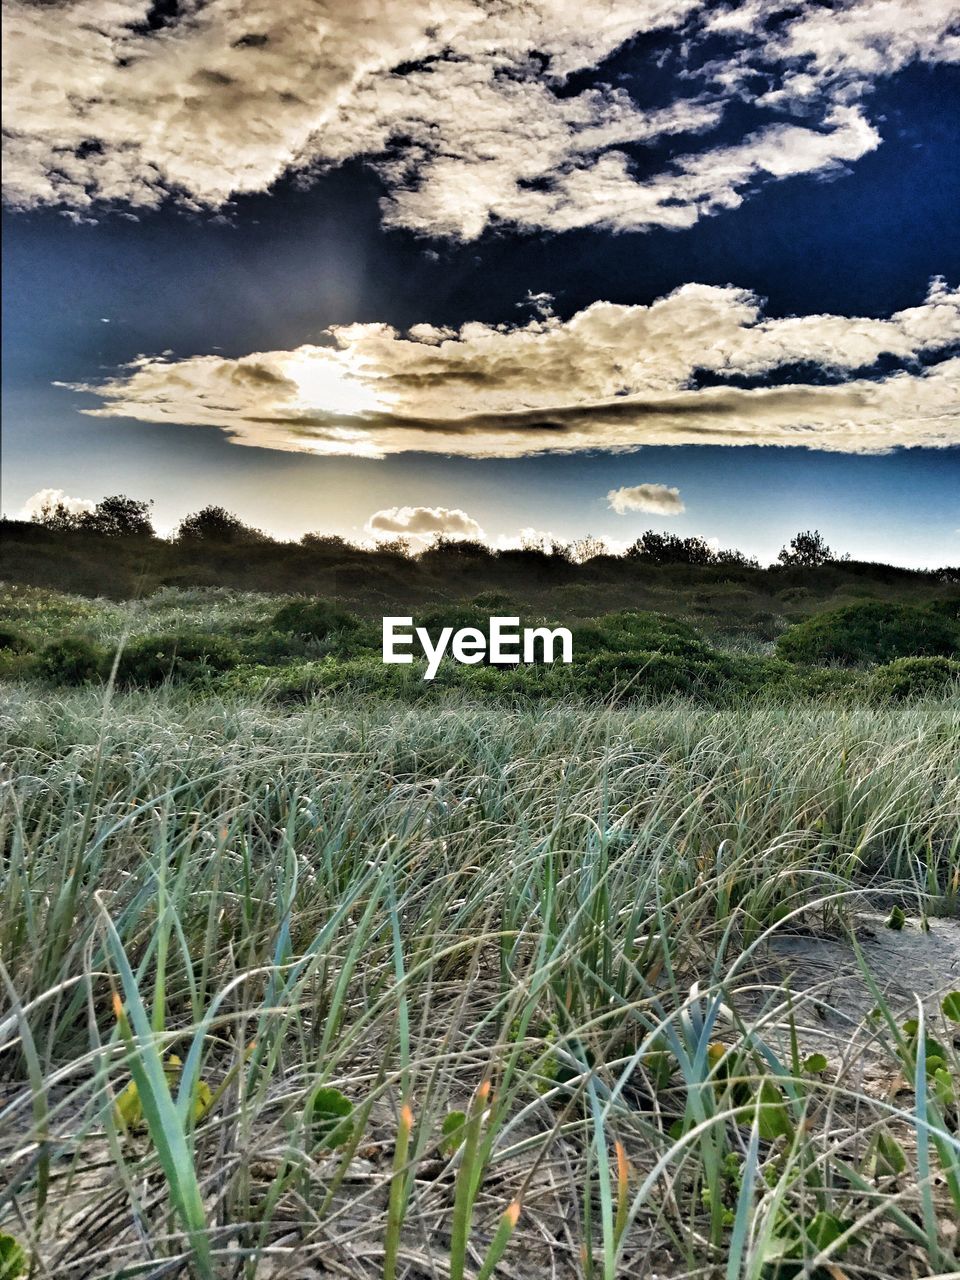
[
  {"x": 128, "y": 1109},
  {"x": 896, "y": 919},
  {"x": 453, "y": 1132},
  {"x": 328, "y": 1117},
  {"x": 13, "y": 1258}
]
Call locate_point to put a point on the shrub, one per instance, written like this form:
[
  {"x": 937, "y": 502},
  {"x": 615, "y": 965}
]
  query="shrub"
[
  {"x": 631, "y": 633},
  {"x": 809, "y": 550},
  {"x": 915, "y": 678},
  {"x": 313, "y": 618},
  {"x": 150, "y": 660},
  {"x": 216, "y": 524},
  {"x": 70, "y": 660},
  {"x": 873, "y": 632},
  {"x": 13, "y": 640}
]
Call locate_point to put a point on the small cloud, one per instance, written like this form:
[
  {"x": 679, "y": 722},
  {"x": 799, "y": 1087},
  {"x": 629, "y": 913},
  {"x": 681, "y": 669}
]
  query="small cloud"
[
  {"x": 104, "y": 319},
  {"x": 528, "y": 538},
  {"x": 424, "y": 522},
  {"x": 540, "y": 303},
  {"x": 655, "y": 498},
  {"x": 49, "y": 499}
]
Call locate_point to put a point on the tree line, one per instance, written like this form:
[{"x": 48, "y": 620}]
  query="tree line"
[{"x": 119, "y": 516}]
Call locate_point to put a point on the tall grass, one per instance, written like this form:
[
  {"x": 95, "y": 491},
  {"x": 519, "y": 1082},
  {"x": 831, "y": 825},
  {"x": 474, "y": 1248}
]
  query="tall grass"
[{"x": 530, "y": 946}]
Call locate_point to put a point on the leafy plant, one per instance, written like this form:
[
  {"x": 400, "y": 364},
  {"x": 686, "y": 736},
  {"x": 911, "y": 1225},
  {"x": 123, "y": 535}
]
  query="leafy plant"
[
  {"x": 13, "y": 1258},
  {"x": 128, "y": 1108},
  {"x": 328, "y": 1118},
  {"x": 453, "y": 1132}
]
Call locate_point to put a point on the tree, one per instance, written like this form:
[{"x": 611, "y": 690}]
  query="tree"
[
  {"x": 58, "y": 516},
  {"x": 808, "y": 550},
  {"x": 733, "y": 558},
  {"x": 445, "y": 546},
  {"x": 587, "y": 548},
  {"x": 217, "y": 524},
  {"x": 331, "y": 542},
  {"x": 669, "y": 548},
  {"x": 118, "y": 517}
]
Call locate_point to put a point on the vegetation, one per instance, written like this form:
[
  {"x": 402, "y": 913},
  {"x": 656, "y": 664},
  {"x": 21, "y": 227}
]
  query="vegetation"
[
  {"x": 728, "y": 596},
  {"x": 641, "y": 966},
  {"x": 295, "y": 649},
  {"x": 415, "y": 989},
  {"x": 875, "y": 632}
]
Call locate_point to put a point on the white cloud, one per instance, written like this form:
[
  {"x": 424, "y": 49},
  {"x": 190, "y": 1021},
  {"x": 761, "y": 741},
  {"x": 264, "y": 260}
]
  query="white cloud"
[
  {"x": 656, "y": 498},
  {"x": 611, "y": 376},
  {"x": 424, "y": 522},
  {"x": 529, "y": 538},
  {"x": 463, "y": 107},
  {"x": 48, "y": 499}
]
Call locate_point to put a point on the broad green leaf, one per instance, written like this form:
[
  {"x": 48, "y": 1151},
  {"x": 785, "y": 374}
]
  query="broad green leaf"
[
  {"x": 951, "y": 1006},
  {"x": 328, "y": 1118},
  {"x": 13, "y": 1259},
  {"x": 453, "y": 1132},
  {"x": 825, "y": 1228},
  {"x": 885, "y": 1157},
  {"x": 896, "y": 919},
  {"x": 814, "y": 1064},
  {"x": 772, "y": 1120}
]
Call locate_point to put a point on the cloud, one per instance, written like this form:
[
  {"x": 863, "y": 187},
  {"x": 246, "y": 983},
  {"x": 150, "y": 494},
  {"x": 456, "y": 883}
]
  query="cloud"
[
  {"x": 47, "y": 499},
  {"x": 656, "y": 498},
  {"x": 424, "y": 522},
  {"x": 611, "y": 376},
  {"x": 466, "y": 110}
]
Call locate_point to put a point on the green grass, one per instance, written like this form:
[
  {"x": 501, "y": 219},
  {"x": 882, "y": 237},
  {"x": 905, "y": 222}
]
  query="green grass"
[
  {"x": 241, "y": 644},
  {"x": 556, "y": 918}
]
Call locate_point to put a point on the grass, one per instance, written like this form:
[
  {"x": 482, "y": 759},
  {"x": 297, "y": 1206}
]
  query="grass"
[{"x": 557, "y": 923}]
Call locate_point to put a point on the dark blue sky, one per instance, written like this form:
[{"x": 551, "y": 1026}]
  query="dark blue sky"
[{"x": 81, "y": 299}]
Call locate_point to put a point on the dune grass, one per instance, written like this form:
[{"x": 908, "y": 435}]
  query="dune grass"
[{"x": 471, "y": 989}]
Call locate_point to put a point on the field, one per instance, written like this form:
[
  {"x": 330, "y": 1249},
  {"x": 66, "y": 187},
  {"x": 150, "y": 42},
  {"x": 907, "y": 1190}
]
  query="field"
[{"x": 323, "y": 977}]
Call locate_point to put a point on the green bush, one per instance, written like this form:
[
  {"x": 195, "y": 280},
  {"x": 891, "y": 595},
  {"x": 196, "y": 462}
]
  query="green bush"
[
  {"x": 315, "y": 619},
  {"x": 70, "y": 660},
  {"x": 13, "y": 640},
  {"x": 915, "y": 678},
  {"x": 874, "y": 632},
  {"x": 633, "y": 633},
  {"x": 150, "y": 660}
]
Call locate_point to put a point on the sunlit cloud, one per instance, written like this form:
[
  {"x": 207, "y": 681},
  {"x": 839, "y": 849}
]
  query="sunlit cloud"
[
  {"x": 612, "y": 376},
  {"x": 464, "y": 109},
  {"x": 658, "y": 499},
  {"x": 45, "y": 500},
  {"x": 424, "y": 522}
]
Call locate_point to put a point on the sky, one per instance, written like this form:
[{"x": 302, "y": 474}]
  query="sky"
[{"x": 494, "y": 269}]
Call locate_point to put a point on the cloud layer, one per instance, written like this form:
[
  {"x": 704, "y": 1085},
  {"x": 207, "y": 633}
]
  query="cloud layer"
[
  {"x": 678, "y": 371},
  {"x": 464, "y": 108},
  {"x": 656, "y": 498}
]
